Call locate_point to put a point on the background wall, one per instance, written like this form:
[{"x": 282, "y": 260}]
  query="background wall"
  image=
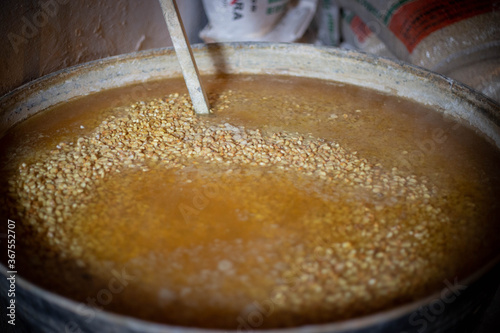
[{"x": 43, "y": 36}]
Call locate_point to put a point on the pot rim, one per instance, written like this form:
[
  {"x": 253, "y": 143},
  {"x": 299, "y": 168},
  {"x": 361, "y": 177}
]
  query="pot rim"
[{"x": 487, "y": 108}]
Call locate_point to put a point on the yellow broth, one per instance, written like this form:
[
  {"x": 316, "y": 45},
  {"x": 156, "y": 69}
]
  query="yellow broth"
[{"x": 298, "y": 201}]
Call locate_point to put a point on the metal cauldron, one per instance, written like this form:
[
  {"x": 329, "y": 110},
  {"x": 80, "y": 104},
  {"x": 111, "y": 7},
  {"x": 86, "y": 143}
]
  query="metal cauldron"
[{"x": 45, "y": 311}]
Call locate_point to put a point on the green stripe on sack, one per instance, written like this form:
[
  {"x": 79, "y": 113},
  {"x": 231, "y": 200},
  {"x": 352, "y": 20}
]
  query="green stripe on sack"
[{"x": 393, "y": 8}]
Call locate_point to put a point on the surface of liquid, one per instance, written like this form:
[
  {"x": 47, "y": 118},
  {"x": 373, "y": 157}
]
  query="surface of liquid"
[{"x": 298, "y": 202}]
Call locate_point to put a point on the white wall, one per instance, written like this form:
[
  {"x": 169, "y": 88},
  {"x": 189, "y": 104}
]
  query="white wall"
[{"x": 42, "y": 36}]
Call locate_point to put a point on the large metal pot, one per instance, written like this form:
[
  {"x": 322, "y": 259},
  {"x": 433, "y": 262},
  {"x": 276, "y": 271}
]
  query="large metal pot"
[{"x": 45, "y": 311}]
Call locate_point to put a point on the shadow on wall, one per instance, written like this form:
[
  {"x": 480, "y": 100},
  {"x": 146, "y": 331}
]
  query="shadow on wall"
[{"x": 40, "y": 37}]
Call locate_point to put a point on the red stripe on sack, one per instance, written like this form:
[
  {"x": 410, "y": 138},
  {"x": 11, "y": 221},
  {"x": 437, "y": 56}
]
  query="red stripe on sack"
[
  {"x": 360, "y": 29},
  {"x": 418, "y": 19}
]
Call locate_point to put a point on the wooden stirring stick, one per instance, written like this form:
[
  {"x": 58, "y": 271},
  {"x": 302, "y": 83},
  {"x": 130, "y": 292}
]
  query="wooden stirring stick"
[{"x": 185, "y": 56}]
